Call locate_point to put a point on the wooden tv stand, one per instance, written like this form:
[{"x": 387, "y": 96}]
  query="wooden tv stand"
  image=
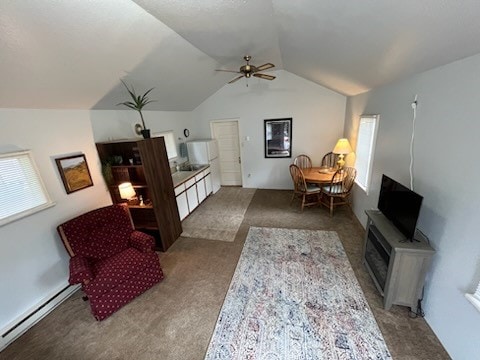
[{"x": 397, "y": 266}]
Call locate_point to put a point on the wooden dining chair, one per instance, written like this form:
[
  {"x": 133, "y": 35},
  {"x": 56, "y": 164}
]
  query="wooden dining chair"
[
  {"x": 309, "y": 193},
  {"x": 330, "y": 159},
  {"x": 338, "y": 191},
  {"x": 303, "y": 161}
]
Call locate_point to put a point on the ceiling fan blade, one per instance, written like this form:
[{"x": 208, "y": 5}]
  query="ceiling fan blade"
[
  {"x": 237, "y": 78},
  {"x": 264, "y": 76},
  {"x": 232, "y": 71},
  {"x": 265, "y": 66}
]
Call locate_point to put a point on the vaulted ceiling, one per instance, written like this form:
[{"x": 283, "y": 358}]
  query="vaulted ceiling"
[{"x": 72, "y": 53}]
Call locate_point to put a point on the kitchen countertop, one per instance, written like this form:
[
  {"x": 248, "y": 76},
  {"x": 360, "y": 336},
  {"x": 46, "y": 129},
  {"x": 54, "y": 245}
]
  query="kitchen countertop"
[{"x": 180, "y": 177}]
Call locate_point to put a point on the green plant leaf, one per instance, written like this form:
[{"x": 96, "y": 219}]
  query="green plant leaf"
[
  {"x": 144, "y": 96},
  {"x": 130, "y": 105},
  {"x": 139, "y": 101},
  {"x": 131, "y": 92}
]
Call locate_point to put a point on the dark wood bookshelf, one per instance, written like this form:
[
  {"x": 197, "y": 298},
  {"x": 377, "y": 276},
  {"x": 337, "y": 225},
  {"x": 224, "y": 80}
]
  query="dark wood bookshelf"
[{"x": 151, "y": 178}]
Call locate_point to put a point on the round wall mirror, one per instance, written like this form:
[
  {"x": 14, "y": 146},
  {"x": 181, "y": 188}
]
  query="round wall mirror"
[{"x": 138, "y": 129}]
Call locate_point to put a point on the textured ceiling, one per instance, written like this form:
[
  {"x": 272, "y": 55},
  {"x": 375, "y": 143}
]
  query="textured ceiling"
[{"x": 72, "y": 53}]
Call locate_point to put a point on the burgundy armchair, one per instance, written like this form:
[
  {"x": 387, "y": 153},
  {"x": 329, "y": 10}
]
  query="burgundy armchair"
[{"x": 113, "y": 262}]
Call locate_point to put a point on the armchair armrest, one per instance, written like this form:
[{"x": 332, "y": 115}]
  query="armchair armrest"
[
  {"x": 79, "y": 271},
  {"x": 142, "y": 241}
]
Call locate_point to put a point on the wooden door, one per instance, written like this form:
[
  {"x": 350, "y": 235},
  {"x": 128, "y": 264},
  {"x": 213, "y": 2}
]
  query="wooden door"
[{"x": 226, "y": 134}]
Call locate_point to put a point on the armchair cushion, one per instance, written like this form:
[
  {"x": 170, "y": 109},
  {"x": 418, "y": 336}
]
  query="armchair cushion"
[
  {"x": 106, "y": 240},
  {"x": 142, "y": 241},
  {"x": 80, "y": 271},
  {"x": 112, "y": 271}
]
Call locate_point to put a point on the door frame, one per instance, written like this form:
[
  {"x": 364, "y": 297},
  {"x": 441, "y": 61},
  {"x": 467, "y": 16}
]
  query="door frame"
[{"x": 212, "y": 134}]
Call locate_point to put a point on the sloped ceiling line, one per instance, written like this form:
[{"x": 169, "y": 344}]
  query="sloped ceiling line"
[{"x": 72, "y": 53}]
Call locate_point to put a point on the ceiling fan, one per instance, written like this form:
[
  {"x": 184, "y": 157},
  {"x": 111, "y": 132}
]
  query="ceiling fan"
[{"x": 248, "y": 70}]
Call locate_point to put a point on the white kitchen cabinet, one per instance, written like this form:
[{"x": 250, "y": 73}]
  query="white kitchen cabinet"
[
  {"x": 201, "y": 190},
  {"x": 179, "y": 189},
  {"x": 192, "y": 198},
  {"x": 191, "y": 191},
  {"x": 208, "y": 184},
  {"x": 182, "y": 205}
]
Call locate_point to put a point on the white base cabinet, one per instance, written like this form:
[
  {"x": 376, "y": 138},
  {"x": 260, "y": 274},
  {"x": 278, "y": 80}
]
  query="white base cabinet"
[
  {"x": 208, "y": 184},
  {"x": 201, "y": 190},
  {"x": 192, "y": 198},
  {"x": 192, "y": 192},
  {"x": 182, "y": 205}
]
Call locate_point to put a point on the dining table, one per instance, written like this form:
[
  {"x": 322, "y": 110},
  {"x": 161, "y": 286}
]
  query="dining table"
[{"x": 318, "y": 175}]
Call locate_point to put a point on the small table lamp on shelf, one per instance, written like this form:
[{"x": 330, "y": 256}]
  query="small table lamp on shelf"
[
  {"x": 342, "y": 148},
  {"x": 127, "y": 192}
]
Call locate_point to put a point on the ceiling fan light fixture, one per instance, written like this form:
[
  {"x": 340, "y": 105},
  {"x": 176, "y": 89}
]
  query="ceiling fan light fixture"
[{"x": 248, "y": 70}]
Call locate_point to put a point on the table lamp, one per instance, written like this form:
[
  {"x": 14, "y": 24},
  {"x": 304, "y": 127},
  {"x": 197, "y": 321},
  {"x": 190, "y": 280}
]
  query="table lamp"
[
  {"x": 342, "y": 148},
  {"x": 126, "y": 191}
]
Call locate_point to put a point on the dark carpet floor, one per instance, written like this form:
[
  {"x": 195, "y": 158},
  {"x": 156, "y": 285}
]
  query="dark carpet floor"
[{"x": 175, "y": 319}]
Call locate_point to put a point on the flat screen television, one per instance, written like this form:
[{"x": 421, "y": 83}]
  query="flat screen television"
[{"x": 400, "y": 205}]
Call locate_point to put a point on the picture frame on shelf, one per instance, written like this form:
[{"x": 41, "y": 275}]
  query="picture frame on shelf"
[{"x": 74, "y": 172}]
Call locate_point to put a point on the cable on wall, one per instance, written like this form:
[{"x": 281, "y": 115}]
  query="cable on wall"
[{"x": 414, "y": 107}]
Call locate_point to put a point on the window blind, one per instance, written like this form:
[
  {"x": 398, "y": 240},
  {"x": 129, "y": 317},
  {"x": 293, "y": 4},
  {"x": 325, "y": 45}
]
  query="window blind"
[
  {"x": 21, "y": 189},
  {"x": 364, "y": 150},
  {"x": 475, "y": 298}
]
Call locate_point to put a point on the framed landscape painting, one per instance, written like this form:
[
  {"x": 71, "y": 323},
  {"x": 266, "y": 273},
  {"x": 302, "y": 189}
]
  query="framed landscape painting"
[{"x": 74, "y": 172}]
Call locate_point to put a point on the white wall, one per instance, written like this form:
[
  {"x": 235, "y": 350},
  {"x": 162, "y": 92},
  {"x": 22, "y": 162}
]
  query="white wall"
[
  {"x": 318, "y": 120},
  {"x": 119, "y": 124},
  {"x": 446, "y": 174},
  {"x": 33, "y": 261}
]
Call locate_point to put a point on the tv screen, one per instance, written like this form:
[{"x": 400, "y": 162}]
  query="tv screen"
[{"x": 400, "y": 205}]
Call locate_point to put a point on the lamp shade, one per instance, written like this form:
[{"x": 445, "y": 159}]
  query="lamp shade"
[
  {"x": 342, "y": 147},
  {"x": 126, "y": 190}
]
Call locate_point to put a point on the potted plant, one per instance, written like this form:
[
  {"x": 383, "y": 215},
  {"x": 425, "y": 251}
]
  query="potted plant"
[
  {"x": 137, "y": 103},
  {"x": 107, "y": 171}
]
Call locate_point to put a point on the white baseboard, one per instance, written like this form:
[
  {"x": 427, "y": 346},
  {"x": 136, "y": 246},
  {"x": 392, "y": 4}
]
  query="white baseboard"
[{"x": 36, "y": 313}]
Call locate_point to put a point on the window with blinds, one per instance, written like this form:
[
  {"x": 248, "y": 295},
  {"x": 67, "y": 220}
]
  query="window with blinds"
[
  {"x": 22, "y": 192},
  {"x": 365, "y": 149},
  {"x": 475, "y": 298}
]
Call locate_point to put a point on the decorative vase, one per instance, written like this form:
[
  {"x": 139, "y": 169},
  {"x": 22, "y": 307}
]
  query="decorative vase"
[{"x": 145, "y": 133}]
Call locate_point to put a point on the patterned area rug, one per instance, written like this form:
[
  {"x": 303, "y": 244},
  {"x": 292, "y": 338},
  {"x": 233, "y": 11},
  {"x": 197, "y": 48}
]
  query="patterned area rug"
[
  {"x": 294, "y": 296},
  {"x": 220, "y": 216}
]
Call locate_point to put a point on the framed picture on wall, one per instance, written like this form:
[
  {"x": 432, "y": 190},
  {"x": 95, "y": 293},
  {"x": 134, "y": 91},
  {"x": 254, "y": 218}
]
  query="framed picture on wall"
[
  {"x": 74, "y": 172},
  {"x": 278, "y": 138}
]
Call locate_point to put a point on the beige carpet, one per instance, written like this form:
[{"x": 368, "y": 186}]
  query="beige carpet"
[{"x": 220, "y": 216}]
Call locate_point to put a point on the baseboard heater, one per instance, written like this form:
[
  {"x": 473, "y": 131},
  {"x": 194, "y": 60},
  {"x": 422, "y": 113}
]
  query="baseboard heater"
[{"x": 34, "y": 315}]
